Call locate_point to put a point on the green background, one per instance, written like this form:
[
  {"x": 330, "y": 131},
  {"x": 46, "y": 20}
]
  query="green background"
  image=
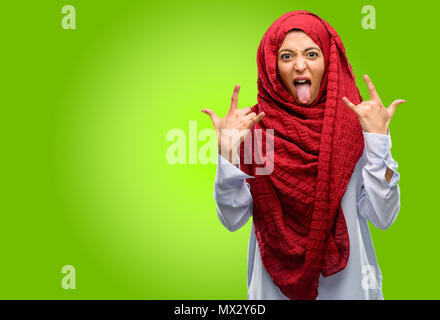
[{"x": 85, "y": 113}]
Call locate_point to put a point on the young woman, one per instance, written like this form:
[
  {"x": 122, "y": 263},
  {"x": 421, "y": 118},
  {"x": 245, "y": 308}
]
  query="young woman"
[{"x": 332, "y": 169}]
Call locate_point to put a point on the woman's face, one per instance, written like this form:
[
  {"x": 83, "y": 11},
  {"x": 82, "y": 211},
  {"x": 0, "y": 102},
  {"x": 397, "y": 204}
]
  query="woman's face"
[{"x": 301, "y": 66}]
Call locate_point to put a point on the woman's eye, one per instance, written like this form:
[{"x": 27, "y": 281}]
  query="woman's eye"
[
  {"x": 312, "y": 54},
  {"x": 286, "y": 56}
]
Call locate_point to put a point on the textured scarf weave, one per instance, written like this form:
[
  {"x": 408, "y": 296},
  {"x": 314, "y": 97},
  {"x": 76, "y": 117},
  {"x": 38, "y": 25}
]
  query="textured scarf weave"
[{"x": 299, "y": 222}]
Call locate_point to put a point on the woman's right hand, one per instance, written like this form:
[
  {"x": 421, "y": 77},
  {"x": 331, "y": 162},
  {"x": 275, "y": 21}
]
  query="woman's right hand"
[{"x": 239, "y": 119}]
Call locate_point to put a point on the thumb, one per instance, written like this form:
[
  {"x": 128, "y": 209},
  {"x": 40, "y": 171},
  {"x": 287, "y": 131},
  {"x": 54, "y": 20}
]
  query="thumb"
[
  {"x": 212, "y": 115},
  {"x": 392, "y": 108},
  {"x": 349, "y": 104}
]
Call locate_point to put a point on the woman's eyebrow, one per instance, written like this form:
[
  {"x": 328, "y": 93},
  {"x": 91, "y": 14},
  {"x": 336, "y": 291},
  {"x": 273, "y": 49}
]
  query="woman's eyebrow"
[{"x": 304, "y": 50}]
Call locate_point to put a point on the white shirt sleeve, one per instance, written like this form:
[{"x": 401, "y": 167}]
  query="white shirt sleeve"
[
  {"x": 379, "y": 201},
  {"x": 232, "y": 194}
]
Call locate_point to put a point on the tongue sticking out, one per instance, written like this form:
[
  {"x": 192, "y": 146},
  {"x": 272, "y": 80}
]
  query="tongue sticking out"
[{"x": 303, "y": 92}]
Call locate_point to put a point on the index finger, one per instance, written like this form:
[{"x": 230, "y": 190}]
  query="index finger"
[
  {"x": 234, "y": 98},
  {"x": 371, "y": 88}
]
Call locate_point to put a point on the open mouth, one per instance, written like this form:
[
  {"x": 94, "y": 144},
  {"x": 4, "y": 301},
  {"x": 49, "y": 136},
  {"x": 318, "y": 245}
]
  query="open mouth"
[
  {"x": 297, "y": 82},
  {"x": 303, "y": 90}
]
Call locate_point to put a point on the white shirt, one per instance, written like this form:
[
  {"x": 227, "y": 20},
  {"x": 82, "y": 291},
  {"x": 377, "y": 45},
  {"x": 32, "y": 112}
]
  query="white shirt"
[{"x": 368, "y": 197}]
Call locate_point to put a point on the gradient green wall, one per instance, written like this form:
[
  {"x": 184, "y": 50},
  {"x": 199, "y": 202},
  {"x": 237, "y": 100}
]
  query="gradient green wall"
[{"x": 85, "y": 113}]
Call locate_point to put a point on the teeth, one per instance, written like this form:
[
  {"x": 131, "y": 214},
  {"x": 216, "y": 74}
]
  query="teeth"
[{"x": 301, "y": 81}]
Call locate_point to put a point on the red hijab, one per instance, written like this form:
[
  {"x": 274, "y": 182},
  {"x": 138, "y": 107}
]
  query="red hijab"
[{"x": 298, "y": 218}]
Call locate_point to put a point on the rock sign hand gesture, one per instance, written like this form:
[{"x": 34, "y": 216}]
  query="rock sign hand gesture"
[
  {"x": 372, "y": 114},
  {"x": 233, "y": 128}
]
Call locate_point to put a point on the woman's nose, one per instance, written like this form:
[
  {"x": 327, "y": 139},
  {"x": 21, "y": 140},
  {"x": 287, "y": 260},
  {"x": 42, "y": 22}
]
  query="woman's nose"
[{"x": 300, "y": 65}]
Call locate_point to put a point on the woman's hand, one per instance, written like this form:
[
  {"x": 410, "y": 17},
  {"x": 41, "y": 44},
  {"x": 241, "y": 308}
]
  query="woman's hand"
[
  {"x": 372, "y": 114},
  {"x": 239, "y": 119}
]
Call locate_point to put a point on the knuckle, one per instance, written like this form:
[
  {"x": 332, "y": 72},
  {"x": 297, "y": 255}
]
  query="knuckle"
[{"x": 362, "y": 113}]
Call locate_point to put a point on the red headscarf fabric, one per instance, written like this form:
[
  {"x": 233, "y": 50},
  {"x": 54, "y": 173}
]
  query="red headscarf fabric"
[{"x": 298, "y": 218}]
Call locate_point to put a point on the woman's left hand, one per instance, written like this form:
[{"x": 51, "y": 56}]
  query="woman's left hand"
[{"x": 372, "y": 114}]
